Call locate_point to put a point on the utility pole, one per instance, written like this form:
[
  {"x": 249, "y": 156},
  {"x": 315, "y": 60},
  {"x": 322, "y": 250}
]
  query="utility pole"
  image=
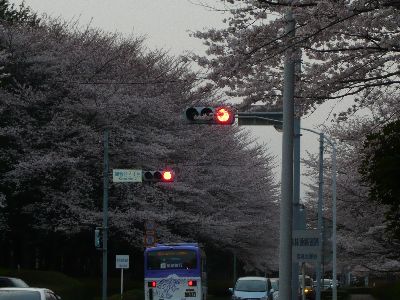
[
  {"x": 334, "y": 287},
  {"x": 105, "y": 213},
  {"x": 320, "y": 200},
  {"x": 297, "y": 220},
  {"x": 286, "y": 211}
]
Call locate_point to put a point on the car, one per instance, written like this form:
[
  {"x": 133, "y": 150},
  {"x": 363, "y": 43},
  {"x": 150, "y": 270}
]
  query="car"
[
  {"x": 252, "y": 287},
  {"x": 275, "y": 288},
  {"x": 12, "y": 282},
  {"x": 27, "y": 294},
  {"x": 309, "y": 290},
  {"x": 326, "y": 284}
]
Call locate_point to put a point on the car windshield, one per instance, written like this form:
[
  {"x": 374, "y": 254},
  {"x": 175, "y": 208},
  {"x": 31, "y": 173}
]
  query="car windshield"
[
  {"x": 12, "y": 282},
  {"x": 327, "y": 281},
  {"x": 274, "y": 284},
  {"x": 251, "y": 286},
  {"x": 308, "y": 282},
  {"x": 19, "y": 283},
  {"x": 19, "y": 295}
]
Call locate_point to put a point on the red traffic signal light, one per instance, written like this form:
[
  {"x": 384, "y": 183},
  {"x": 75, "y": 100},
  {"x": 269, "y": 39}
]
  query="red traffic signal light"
[
  {"x": 167, "y": 176},
  {"x": 222, "y": 115},
  {"x": 159, "y": 176}
]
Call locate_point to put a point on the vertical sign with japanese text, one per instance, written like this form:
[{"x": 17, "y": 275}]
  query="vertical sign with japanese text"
[{"x": 306, "y": 245}]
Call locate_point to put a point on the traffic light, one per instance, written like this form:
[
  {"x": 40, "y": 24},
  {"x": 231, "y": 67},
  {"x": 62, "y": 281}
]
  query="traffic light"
[
  {"x": 159, "y": 176},
  {"x": 222, "y": 115},
  {"x": 97, "y": 238}
]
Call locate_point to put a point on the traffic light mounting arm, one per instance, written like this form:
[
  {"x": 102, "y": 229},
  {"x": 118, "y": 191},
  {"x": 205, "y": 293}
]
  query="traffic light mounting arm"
[
  {"x": 261, "y": 118},
  {"x": 224, "y": 115}
]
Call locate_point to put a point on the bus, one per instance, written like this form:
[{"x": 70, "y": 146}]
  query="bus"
[{"x": 175, "y": 272}]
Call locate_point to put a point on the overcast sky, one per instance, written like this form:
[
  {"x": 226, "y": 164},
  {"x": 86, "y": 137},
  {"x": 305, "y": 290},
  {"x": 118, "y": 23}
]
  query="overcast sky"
[{"x": 166, "y": 24}]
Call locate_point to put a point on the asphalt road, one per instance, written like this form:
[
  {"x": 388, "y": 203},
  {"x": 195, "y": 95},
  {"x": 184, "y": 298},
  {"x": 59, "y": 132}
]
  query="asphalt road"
[{"x": 362, "y": 297}]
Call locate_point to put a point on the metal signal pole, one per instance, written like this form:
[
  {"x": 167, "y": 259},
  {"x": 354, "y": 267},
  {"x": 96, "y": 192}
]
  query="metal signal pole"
[
  {"x": 105, "y": 214},
  {"x": 297, "y": 219},
  {"x": 286, "y": 212},
  {"x": 320, "y": 205}
]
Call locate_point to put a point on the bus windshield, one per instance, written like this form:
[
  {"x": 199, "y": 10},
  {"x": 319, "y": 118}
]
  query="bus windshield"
[{"x": 171, "y": 259}]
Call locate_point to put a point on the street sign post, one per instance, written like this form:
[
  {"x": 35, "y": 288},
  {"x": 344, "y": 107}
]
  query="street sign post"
[
  {"x": 150, "y": 226},
  {"x": 305, "y": 246},
  {"x": 150, "y": 235},
  {"x": 122, "y": 262},
  {"x": 149, "y": 240},
  {"x": 127, "y": 175}
]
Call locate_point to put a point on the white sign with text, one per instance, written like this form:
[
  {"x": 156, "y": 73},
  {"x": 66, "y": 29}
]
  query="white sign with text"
[
  {"x": 306, "y": 245},
  {"x": 127, "y": 175},
  {"x": 122, "y": 261}
]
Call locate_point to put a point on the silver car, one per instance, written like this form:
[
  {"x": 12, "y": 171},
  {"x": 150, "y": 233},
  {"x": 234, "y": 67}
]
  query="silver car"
[
  {"x": 27, "y": 294},
  {"x": 12, "y": 282},
  {"x": 252, "y": 287}
]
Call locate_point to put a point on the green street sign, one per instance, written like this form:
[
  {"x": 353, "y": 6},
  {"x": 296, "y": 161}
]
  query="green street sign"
[{"x": 127, "y": 175}]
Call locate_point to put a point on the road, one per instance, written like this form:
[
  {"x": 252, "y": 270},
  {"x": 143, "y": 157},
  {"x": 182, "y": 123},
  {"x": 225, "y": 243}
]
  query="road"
[{"x": 362, "y": 297}]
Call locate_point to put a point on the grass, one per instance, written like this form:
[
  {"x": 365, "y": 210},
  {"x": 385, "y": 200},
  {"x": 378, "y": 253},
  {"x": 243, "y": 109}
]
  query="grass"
[
  {"x": 70, "y": 288},
  {"x": 387, "y": 292},
  {"x": 67, "y": 287},
  {"x": 135, "y": 294},
  {"x": 219, "y": 289},
  {"x": 211, "y": 297},
  {"x": 342, "y": 294}
]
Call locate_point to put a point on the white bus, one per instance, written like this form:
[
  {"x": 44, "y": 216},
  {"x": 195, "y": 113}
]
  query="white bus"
[{"x": 175, "y": 272}]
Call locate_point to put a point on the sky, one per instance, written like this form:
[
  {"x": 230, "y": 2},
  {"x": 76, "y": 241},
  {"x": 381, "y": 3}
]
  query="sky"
[{"x": 167, "y": 24}]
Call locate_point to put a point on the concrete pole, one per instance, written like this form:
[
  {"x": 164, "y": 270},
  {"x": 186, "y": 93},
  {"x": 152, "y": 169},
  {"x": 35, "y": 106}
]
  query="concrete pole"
[
  {"x": 334, "y": 288},
  {"x": 303, "y": 281},
  {"x": 296, "y": 202},
  {"x": 320, "y": 200},
  {"x": 285, "y": 232},
  {"x": 105, "y": 214}
]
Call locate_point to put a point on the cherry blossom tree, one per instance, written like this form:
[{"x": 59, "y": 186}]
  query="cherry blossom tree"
[
  {"x": 65, "y": 86},
  {"x": 363, "y": 236},
  {"x": 349, "y": 50},
  {"x": 21, "y": 14},
  {"x": 347, "y": 47}
]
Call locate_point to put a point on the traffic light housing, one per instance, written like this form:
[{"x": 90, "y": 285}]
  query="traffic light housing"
[
  {"x": 97, "y": 238},
  {"x": 159, "y": 176},
  {"x": 221, "y": 115}
]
